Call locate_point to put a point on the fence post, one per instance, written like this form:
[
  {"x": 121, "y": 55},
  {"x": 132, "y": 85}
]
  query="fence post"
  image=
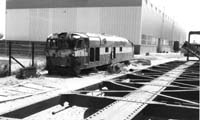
[
  {"x": 9, "y": 53},
  {"x": 33, "y": 51}
]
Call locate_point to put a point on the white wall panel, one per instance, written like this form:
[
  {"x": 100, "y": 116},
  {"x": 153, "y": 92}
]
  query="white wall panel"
[
  {"x": 62, "y": 19},
  {"x": 151, "y": 21},
  {"x": 88, "y": 20},
  {"x": 39, "y": 28},
  {"x": 147, "y": 49},
  {"x": 17, "y": 24},
  {"x": 37, "y": 24},
  {"x": 158, "y": 24},
  {"x": 122, "y": 21}
]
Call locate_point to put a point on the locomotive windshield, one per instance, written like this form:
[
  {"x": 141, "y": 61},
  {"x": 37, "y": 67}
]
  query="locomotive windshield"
[
  {"x": 58, "y": 44},
  {"x": 64, "y": 41}
]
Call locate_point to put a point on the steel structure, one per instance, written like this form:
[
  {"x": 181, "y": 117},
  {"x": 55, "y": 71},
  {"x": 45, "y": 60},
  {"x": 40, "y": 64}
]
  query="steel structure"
[
  {"x": 166, "y": 91},
  {"x": 154, "y": 92}
]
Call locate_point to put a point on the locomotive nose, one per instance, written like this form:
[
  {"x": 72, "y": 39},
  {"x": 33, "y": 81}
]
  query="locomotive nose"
[{"x": 60, "y": 57}]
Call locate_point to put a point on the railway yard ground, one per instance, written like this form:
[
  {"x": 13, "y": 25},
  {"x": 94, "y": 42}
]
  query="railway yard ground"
[
  {"x": 40, "y": 62},
  {"x": 16, "y": 94}
]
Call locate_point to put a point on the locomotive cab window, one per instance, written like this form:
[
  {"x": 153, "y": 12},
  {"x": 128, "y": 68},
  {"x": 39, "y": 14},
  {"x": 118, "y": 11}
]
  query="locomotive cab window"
[
  {"x": 62, "y": 44},
  {"x": 80, "y": 44}
]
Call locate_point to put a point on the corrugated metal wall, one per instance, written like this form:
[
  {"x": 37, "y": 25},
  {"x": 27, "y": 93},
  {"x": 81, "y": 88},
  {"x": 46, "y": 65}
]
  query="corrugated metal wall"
[
  {"x": 37, "y": 24},
  {"x": 179, "y": 34},
  {"x": 19, "y": 4},
  {"x": 157, "y": 24},
  {"x": 17, "y": 24},
  {"x": 122, "y": 21},
  {"x": 88, "y": 20},
  {"x": 151, "y": 21}
]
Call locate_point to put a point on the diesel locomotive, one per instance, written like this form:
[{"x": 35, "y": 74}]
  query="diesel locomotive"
[{"x": 73, "y": 52}]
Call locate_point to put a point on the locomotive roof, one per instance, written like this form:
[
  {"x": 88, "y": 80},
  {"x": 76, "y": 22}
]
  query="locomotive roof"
[
  {"x": 93, "y": 36},
  {"x": 103, "y": 36}
]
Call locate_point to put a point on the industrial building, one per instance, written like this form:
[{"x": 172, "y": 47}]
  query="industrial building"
[{"x": 140, "y": 21}]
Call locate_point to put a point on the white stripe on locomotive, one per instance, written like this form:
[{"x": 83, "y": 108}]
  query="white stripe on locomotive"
[
  {"x": 124, "y": 50},
  {"x": 82, "y": 52}
]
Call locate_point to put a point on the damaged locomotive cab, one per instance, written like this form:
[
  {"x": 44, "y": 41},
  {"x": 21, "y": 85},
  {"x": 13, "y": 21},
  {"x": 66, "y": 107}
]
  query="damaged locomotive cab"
[
  {"x": 69, "y": 53},
  {"x": 61, "y": 53}
]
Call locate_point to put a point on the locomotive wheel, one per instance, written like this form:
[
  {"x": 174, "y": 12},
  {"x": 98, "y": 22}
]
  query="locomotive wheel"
[
  {"x": 75, "y": 66},
  {"x": 114, "y": 68},
  {"x": 127, "y": 62},
  {"x": 76, "y": 70},
  {"x": 50, "y": 72},
  {"x": 69, "y": 71}
]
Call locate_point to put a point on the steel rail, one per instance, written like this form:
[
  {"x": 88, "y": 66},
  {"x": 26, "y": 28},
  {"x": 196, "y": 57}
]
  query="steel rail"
[
  {"x": 107, "y": 91},
  {"x": 145, "y": 102},
  {"x": 146, "y": 83},
  {"x": 159, "y": 94}
]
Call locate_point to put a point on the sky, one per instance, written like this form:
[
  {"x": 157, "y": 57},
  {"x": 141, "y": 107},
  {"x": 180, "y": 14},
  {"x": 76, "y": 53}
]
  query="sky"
[{"x": 185, "y": 12}]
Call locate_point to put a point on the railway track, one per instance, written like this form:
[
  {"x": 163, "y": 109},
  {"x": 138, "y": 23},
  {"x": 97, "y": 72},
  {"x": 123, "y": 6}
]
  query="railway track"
[{"x": 166, "y": 91}]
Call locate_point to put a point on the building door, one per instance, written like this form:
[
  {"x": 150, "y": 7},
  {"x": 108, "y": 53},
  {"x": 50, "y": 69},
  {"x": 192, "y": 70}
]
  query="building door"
[
  {"x": 97, "y": 54},
  {"x": 92, "y": 55},
  {"x": 113, "y": 53}
]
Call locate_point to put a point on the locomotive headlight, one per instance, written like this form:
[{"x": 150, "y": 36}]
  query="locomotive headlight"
[{"x": 73, "y": 54}]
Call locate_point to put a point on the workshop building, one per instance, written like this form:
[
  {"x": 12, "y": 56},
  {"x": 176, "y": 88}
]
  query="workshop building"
[{"x": 140, "y": 21}]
